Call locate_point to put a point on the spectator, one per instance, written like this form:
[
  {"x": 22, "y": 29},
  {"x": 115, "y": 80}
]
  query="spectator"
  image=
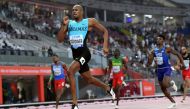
[{"x": 50, "y": 52}]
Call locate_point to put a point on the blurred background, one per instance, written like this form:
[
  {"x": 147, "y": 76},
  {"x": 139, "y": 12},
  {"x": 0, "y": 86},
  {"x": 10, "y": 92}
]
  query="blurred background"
[{"x": 28, "y": 31}]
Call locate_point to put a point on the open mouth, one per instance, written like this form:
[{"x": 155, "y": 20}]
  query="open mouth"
[{"x": 74, "y": 14}]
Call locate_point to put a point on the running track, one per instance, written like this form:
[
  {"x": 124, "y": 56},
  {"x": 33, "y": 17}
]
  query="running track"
[{"x": 147, "y": 103}]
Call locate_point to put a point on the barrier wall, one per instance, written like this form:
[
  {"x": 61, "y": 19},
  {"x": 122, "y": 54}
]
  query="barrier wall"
[{"x": 39, "y": 71}]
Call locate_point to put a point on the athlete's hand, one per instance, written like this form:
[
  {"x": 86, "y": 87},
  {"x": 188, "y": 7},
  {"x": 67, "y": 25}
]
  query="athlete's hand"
[
  {"x": 105, "y": 50},
  {"x": 65, "y": 20},
  {"x": 176, "y": 67},
  {"x": 67, "y": 85}
]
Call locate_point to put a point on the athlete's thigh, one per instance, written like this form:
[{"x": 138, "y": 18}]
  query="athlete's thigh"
[
  {"x": 74, "y": 67},
  {"x": 187, "y": 82},
  {"x": 86, "y": 75},
  {"x": 84, "y": 57},
  {"x": 118, "y": 87},
  {"x": 167, "y": 77}
]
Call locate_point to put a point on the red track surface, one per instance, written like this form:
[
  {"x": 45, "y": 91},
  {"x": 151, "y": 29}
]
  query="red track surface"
[{"x": 148, "y": 103}]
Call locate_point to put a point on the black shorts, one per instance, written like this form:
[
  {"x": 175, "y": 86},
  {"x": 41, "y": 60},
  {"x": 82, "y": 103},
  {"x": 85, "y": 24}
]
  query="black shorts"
[{"x": 83, "y": 56}]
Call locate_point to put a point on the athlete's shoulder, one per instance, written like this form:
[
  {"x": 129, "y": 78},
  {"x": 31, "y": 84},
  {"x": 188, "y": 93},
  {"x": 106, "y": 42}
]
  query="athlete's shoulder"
[
  {"x": 52, "y": 64},
  {"x": 167, "y": 46},
  {"x": 168, "y": 49},
  {"x": 92, "y": 20},
  {"x": 61, "y": 62},
  {"x": 70, "y": 21}
]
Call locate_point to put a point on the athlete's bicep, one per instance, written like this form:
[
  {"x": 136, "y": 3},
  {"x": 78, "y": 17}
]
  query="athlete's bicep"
[
  {"x": 177, "y": 54},
  {"x": 170, "y": 50},
  {"x": 95, "y": 24}
]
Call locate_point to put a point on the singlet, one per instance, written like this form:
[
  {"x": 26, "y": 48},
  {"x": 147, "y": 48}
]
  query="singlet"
[
  {"x": 161, "y": 58},
  {"x": 116, "y": 64},
  {"x": 78, "y": 32},
  {"x": 58, "y": 71},
  {"x": 186, "y": 61}
]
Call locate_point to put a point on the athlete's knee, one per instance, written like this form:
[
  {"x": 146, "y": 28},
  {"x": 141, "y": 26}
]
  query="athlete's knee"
[
  {"x": 163, "y": 86},
  {"x": 166, "y": 84},
  {"x": 73, "y": 69}
]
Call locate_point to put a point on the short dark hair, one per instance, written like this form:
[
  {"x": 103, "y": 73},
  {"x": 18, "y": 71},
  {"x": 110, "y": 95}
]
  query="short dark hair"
[
  {"x": 116, "y": 50},
  {"x": 162, "y": 36},
  {"x": 55, "y": 55}
]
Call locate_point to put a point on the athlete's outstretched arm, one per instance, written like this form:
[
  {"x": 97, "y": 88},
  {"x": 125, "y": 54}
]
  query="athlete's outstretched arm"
[
  {"x": 94, "y": 23},
  {"x": 63, "y": 30},
  {"x": 150, "y": 58},
  {"x": 170, "y": 50}
]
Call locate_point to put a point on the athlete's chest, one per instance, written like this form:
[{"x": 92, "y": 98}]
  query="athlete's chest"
[
  {"x": 161, "y": 53},
  {"x": 81, "y": 26},
  {"x": 57, "y": 69},
  {"x": 161, "y": 56},
  {"x": 116, "y": 62}
]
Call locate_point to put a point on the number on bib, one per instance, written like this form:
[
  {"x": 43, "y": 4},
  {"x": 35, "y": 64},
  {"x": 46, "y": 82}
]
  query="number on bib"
[
  {"x": 186, "y": 62},
  {"x": 57, "y": 71},
  {"x": 116, "y": 69},
  {"x": 76, "y": 40},
  {"x": 159, "y": 60}
]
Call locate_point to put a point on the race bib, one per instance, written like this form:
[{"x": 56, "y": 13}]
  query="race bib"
[
  {"x": 57, "y": 71},
  {"x": 186, "y": 62},
  {"x": 116, "y": 69},
  {"x": 159, "y": 60},
  {"x": 76, "y": 41}
]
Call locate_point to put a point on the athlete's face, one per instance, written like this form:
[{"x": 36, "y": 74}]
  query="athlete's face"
[
  {"x": 55, "y": 59},
  {"x": 183, "y": 50},
  {"x": 77, "y": 12},
  {"x": 116, "y": 54},
  {"x": 159, "y": 40}
]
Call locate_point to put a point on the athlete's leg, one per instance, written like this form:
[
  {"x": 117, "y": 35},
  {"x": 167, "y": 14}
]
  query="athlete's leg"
[
  {"x": 74, "y": 67},
  {"x": 117, "y": 91},
  {"x": 167, "y": 82},
  {"x": 166, "y": 93},
  {"x": 186, "y": 86},
  {"x": 59, "y": 93},
  {"x": 92, "y": 80}
]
